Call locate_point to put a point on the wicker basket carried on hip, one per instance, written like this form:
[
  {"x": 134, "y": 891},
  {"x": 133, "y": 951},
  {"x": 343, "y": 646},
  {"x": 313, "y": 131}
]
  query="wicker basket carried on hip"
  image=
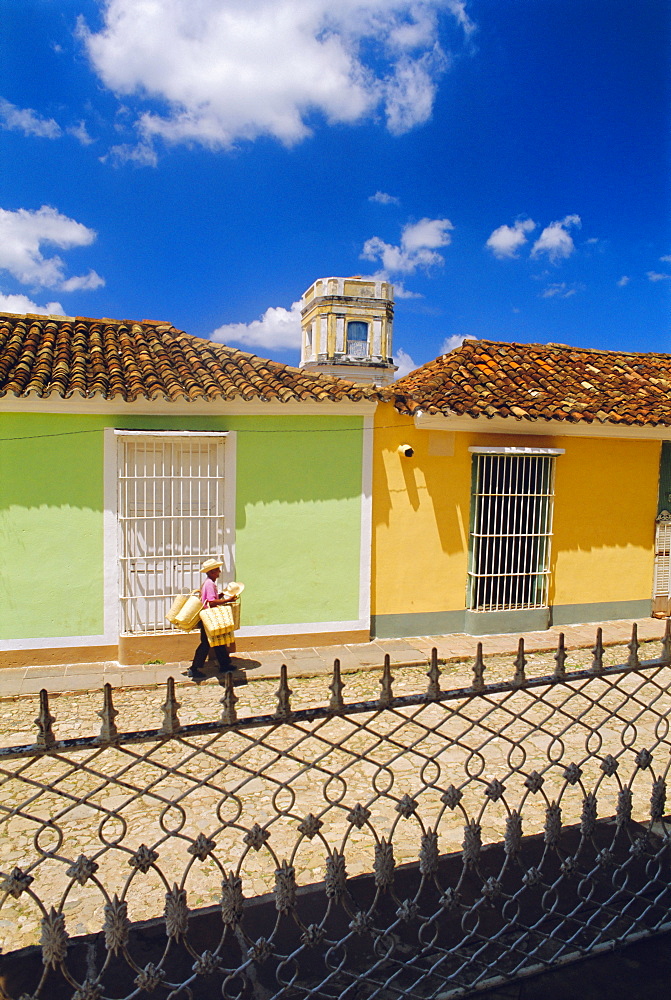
[
  {"x": 185, "y": 611},
  {"x": 220, "y": 623}
]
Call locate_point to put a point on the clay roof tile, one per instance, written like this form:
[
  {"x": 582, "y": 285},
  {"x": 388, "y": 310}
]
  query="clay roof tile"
[
  {"x": 147, "y": 360},
  {"x": 541, "y": 381}
]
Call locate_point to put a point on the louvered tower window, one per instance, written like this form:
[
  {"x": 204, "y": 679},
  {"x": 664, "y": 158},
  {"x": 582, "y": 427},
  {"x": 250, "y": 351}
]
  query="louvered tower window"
[
  {"x": 662, "y": 580},
  {"x": 661, "y": 587},
  {"x": 171, "y": 518},
  {"x": 511, "y": 528}
]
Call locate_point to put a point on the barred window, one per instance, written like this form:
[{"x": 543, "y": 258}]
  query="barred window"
[
  {"x": 171, "y": 518},
  {"x": 511, "y": 528}
]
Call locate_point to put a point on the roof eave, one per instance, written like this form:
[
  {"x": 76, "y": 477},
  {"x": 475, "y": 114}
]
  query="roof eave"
[{"x": 535, "y": 426}]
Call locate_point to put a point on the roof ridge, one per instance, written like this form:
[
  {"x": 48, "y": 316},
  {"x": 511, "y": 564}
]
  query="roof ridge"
[{"x": 566, "y": 347}]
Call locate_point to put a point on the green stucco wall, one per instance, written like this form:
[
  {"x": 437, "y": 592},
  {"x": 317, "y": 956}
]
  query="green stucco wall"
[
  {"x": 51, "y": 526},
  {"x": 298, "y": 518}
]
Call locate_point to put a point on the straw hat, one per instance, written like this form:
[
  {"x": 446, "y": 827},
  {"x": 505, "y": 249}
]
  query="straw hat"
[
  {"x": 234, "y": 589},
  {"x": 211, "y": 564}
]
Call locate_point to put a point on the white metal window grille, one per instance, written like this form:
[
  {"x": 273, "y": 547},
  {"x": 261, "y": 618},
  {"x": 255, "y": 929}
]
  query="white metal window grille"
[
  {"x": 662, "y": 581},
  {"x": 511, "y": 531},
  {"x": 357, "y": 348},
  {"x": 357, "y": 339},
  {"x": 171, "y": 518}
]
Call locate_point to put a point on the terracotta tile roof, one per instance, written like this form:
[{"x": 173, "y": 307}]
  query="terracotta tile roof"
[
  {"x": 483, "y": 378},
  {"x": 122, "y": 359}
]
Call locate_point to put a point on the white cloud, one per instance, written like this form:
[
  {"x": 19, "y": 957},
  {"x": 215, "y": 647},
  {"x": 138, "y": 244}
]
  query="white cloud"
[
  {"x": 20, "y": 304},
  {"x": 624, "y": 280},
  {"x": 555, "y": 241},
  {"x": 31, "y": 123},
  {"x": 382, "y": 198},
  {"x": 451, "y": 343},
  {"x": 27, "y": 121},
  {"x": 83, "y": 283},
  {"x": 417, "y": 248},
  {"x": 666, "y": 258},
  {"x": 400, "y": 291},
  {"x": 656, "y": 276},
  {"x": 458, "y": 8},
  {"x": 507, "y": 240},
  {"x": 23, "y": 234},
  {"x": 245, "y": 68},
  {"x": 404, "y": 363},
  {"x": 142, "y": 155},
  {"x": 558, "y": 290},
  {"x": 277, "y": 329},
  {"x": 80, "y": 132},
  {"x": 411, "y": 91},
  {"x": 426, "y": 233}
]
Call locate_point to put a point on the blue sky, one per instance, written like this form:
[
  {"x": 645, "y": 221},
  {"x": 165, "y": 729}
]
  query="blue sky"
[{"x": 504, "y": 162}]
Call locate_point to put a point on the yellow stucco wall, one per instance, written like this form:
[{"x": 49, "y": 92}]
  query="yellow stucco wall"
[
  {"x": 604, "y": 525},
  {"x": 605, "y": 507}
]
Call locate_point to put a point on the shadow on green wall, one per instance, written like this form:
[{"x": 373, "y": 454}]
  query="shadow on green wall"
[
  {"x": 51, "y": 462},
  {"x": 306, "y": 462}
]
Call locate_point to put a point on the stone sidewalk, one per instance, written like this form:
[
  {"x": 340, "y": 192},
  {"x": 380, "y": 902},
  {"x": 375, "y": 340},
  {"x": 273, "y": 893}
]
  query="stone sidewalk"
[{"x": 313, "y": 661}]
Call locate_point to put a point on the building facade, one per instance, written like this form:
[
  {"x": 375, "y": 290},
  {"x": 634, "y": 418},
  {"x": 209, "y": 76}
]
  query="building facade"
[
  {"x": 500, "y": 488},
  {"x": 515, "y": 487},
  {"x": 130, "y": 452}
]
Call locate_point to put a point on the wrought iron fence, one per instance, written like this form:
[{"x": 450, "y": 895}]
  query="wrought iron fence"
[{"x": 427, "y": 845}]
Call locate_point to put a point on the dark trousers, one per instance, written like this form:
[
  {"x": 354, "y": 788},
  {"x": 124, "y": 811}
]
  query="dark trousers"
[{"x": 221, "y": 653}]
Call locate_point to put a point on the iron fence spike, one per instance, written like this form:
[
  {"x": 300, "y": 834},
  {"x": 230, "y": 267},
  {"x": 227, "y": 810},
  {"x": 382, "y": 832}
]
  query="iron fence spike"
[
  {"x": 560, "y": 659},
  {"x": 283, "y": 694},
  {"x": 597, "y": 652},
  {"x": 44, "y": 721},
  {"x": 520, "y": 677},
  {"x": 633, "y": 646},
  {"x": 170, "y": 706},
  {"x": 229, "y": 715},
  {"x": 433, "y": 690},
  {"x": 336, "y": 704},
  {"x": 386, "y": 693},
  {"x": 479, "y": 668},
  {"x": 108, "y": 713}
]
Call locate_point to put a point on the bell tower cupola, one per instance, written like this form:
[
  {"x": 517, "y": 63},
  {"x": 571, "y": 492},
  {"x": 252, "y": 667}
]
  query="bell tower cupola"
[{"x": 347, "y": 329}]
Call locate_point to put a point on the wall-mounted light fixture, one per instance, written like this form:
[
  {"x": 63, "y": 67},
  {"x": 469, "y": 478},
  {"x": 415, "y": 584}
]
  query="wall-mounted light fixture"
[{"x": 406, "y": 450}]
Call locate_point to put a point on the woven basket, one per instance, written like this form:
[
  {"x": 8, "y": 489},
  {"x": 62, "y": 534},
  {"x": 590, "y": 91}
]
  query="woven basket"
[
  {"x": 188, "y": 614},
  {"x": 227, "y": 639},
  {"x": 235, "y": 607},
  {"x": 176, "y": 607},
  {"x": 219, "y": 624}
]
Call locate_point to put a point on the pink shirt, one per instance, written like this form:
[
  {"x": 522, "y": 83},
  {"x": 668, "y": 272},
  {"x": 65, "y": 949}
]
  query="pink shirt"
[{"x": 209, "y": 592}]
